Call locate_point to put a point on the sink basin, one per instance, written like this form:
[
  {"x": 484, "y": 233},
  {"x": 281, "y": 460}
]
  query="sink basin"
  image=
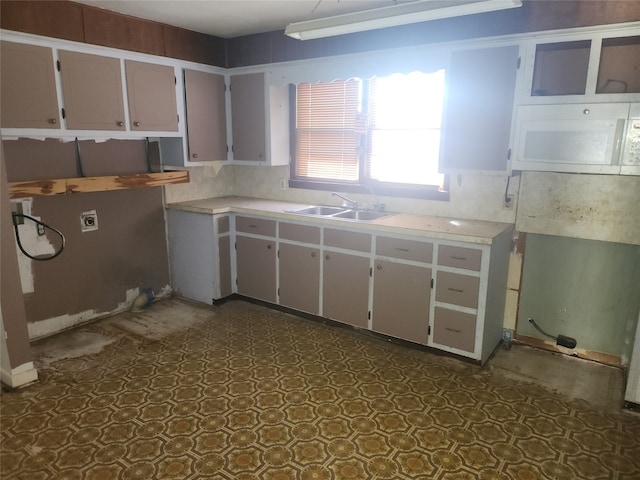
[
  {"x": 361, "y": 215},
  {"x": 319, "y": 210},
  {"x": 340, "y": 213}
]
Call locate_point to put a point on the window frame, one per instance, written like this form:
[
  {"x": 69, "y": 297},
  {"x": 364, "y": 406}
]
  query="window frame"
[{"x": 366, "y": 184}]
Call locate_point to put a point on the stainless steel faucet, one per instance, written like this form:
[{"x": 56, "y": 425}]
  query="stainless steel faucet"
[{"x": 353, "y": 203}]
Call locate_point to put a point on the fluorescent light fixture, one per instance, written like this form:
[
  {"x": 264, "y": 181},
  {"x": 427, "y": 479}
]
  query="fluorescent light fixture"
[{"x": 402, "y": 14}]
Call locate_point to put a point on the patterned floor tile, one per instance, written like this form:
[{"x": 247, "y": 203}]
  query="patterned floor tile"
[{"x": 248, "y": 393}]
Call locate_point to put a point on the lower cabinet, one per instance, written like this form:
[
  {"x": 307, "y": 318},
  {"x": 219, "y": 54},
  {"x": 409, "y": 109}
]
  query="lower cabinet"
[
  {"x": 256, "y": 267},
  {"x": 299, "y": 278},
  {"x": 345, "y": 288},
  {"x": 441, "y": 293},
  {"x": 401, "y": 299},
  {"x": 454, "y": 329},
  {"x": 199, "y": 255}
]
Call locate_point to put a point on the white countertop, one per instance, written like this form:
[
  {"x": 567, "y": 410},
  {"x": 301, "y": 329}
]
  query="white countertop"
[{"x": 472, "y": 231}]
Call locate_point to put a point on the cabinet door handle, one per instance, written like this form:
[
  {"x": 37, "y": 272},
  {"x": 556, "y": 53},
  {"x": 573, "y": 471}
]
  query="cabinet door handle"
[
  {"x": 313, "y": 254},
  {"x": 457, "y": 290},
  {"x": 53, "y": 121},
  {"x": 268, "y": 247},
  {"x": 194, "y": 155},
  {"x": 326, "y": 257},
  {"x": 458, "y": 258},
  {"x": 120, "y": 123},
  {"x": 448, "y": 329},
  {"x": 136, "y": 124},
  {"x": 378, "y": 267},
  {"x": 402, "y": 249}
]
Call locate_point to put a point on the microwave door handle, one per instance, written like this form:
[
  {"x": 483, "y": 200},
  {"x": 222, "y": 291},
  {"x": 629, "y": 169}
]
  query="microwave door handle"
[{"x": 617, "y": 141}]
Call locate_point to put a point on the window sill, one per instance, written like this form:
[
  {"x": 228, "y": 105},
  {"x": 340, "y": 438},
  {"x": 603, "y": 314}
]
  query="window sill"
[{"x": 418, "y": 192}]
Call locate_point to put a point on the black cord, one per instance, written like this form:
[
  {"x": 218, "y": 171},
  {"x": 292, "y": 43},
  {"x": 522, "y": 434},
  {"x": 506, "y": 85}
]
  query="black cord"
[
  {"x": 37, "y": 222},
  {"x": 535, "y": 325}
]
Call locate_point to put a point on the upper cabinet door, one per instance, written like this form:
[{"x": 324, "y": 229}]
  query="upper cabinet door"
[
  {"x": 92, "y": 89},
  {"x": 152, "y": 97},
  {"x": 478, "y": 109},
  {"x": 206, "y": 116},
  {"x": 248, "y": 110},
  {"x": 29, "y": 97}
]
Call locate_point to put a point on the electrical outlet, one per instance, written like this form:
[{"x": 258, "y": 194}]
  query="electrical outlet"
[
  {"x": 89, "y": 221},
  {"x": 284, "y": 183},
  {"x": 17, "y": 208}
]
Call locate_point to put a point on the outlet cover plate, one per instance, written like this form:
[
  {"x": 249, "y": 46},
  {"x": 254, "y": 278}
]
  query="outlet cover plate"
[{"x": 89, "y": 221}]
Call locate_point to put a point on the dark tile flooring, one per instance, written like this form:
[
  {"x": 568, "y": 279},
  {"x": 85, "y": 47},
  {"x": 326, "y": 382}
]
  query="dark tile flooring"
[{"x": 239, "y": 391}]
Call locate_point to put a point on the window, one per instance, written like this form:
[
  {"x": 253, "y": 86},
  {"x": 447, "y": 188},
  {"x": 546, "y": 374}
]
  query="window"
[{"x": 380, "y": 133}]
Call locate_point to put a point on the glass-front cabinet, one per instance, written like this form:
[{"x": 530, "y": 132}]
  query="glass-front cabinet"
[
  {"x": 578, "y": 106},
  {"x": 603, "y": 68}
]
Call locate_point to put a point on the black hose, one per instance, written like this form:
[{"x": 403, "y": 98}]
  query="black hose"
[{"x": 41, "y": 258}]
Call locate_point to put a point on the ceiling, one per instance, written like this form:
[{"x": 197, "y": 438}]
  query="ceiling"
[{"x": 233, "y": 18}]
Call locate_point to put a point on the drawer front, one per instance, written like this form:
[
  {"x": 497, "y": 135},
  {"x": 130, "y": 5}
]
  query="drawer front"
[
  {"x": 457, "y": 289},
  {"x": 300, "y": 233},
  {"x": 257, "y": 226},
  {"x": 360, "y": 242},
  {"x": 454, "y": 329},
  {"x": 223, "y": 224},
  {"x": 459, "y": 257},
  {"x": 405, "y": 249}
]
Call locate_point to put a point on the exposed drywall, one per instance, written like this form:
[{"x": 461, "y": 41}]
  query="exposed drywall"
[
  {"x": 595, "y": 207},
  {"x": 585, "y": 289},
  {"x": 99, "y": 271},
  {"x": 97, "y": 267}
]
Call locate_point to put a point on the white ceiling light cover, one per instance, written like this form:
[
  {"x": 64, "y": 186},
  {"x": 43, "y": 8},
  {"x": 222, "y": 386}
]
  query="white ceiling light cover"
[{"x": 402, "y": 14}]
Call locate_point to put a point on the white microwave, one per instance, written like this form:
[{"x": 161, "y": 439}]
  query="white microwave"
[{"x": 582, "y": 138}]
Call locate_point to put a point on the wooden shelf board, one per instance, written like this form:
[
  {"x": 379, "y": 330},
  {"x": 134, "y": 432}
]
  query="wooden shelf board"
[{"x": 95, "y": 184}]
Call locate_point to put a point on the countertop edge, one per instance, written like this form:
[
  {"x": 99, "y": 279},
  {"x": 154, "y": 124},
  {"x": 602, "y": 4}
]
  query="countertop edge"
[{"x": 278, "y": 209}]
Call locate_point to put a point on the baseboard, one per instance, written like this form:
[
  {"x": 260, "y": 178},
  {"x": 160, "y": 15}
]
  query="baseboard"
[{"x": 19, "y": 376}]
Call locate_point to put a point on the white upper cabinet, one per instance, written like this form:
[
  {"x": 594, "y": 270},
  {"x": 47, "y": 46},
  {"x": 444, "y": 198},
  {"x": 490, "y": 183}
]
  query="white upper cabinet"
[
  {"x": 478, "y": 109},
  {"x": 587, "y": 68},
  {"x": 578, "y": 110}
]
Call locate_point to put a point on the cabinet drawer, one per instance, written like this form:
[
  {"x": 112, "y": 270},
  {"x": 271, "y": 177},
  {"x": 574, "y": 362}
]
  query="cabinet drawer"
[
  {"x": 405, "y": 249},
  {"x": 360, "y": 242},
  {"x": 223, "y": 224},
  {"x": 257, "y": 226},
  {"x": 459, "y": 257},
  {"x": 454, "y": 329},
  {"x": 300, "y": 233},
  {"x": 457, "y": 289}
]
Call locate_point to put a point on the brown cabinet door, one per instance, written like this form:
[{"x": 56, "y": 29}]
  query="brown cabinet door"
[
  {"x": 454, "y": 329},
  {"x": 256, "y": 264},
  {"x": 28, "y": 98},
  {"x": 346, "y": 288},
  {"x": 92, "y": 90},
  {"x": 457, "y": 289},
  {"x": 248, "y": 109},
  {"x": 206, "y": 117},
  {"x": 401, "y": 298},
  {"x": 300, "y": 277},
  {"x": 152, "y": 96}
]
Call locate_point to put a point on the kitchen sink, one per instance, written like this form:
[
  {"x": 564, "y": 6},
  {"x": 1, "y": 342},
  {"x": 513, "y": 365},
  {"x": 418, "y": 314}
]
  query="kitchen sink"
[
  {"x": 340, "y": 213},
  {"x": 319, "y": 210},
  {"x": 361, "y": 215}
]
